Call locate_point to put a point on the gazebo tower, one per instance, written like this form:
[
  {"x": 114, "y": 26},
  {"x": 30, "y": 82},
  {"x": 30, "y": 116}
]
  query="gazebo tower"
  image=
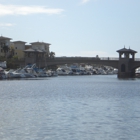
[{"x": 126, "y": 58}]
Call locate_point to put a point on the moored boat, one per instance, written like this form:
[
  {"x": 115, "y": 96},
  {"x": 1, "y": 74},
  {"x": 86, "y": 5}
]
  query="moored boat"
[{"x": 2, "y": 73}]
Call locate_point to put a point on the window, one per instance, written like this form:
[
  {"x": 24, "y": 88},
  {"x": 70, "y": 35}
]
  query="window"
[{"x": 123, "y": 68}]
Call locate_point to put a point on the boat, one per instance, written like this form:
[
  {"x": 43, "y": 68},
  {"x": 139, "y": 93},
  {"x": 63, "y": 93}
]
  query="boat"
[
  {"x": 137, "y": 72},
  {"x": 17, "y": 74},
  {"x": 51, "y": 73},
  {"x": 61, "y": 71},
  {"x": 3, "y": 64},
  {"x": 2, "y": 73}
]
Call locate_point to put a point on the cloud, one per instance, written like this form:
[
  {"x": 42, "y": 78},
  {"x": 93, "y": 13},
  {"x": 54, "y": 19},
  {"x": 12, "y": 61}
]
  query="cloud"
[
  {"x": 6, "y": 24},
  {"x": 27, "y": 10},
  {"x": 85, "y": 1}
]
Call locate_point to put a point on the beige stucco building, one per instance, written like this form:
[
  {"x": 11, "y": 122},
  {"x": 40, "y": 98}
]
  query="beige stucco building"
[
  {"x": 21, "y": 49},
  {"x": 42, "y": 46}
]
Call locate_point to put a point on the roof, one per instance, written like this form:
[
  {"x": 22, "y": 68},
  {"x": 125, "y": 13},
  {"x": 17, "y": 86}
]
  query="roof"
[
  {"x": 34, "y": 50},
  {"x": 40, "y": 43},
  {"x": 2, "y": 37},
  {"x": 27, "y": 47},
  {"x": 19, "y": 42},
  {"x": 126, "y": 50},
  {"x": 39, "y": 51},
  {"x": 29, "y": 50}
]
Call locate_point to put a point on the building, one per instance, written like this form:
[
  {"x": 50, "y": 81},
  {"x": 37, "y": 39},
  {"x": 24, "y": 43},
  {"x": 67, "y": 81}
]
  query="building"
[
  {"x": 4, "y": 45},
  {"x": 30, "y": 52},
  {"x": 19, "y": 47},
  {"x": 38, "y": 53},
  {"x": 126, "y": 61},
  {"x": 41, "y": 46}
]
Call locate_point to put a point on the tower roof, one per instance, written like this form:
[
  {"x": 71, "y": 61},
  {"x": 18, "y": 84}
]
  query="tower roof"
[{"x": 123, "y": 50}]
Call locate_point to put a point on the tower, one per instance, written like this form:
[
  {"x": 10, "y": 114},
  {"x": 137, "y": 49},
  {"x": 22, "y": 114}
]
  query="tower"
[{"x": 126, "y": 58}]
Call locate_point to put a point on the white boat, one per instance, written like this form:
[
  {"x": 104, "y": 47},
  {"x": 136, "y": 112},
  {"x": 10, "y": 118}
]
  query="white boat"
[
  {"x": 14, "y": 74},
  {"x": 51, "y": 73},
  {"x": 54, "y": 73},
  {"x": 61, "y": 71},
  {"x": 3, "y": 64},
  {"x": 2, "y": 73},
  {"x": 137, "y": 70},
  {"x": 28, "y": 73},
  {"x": 42, "y": 73},
  {"x": 115, "y": 71},
  {"x": 76, "y": 70},
  {"x": 101, "y": 71},
  {"x": 18, "y": 74},
  {"x": 33, "y": 71}
]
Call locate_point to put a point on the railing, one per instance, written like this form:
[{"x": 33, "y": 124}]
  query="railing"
[
  {"x": 137, "y": 59},
  {"x": 89, "y": 58},
  {"x": 86, "y": 58},
  {"x": 109, "y": 58},
  {"x": 114, "y": 58},
  {"x": 75, "y": 58}
]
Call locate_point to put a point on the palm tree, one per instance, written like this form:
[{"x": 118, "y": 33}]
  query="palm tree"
[
  {"x": 47, "y": 55},
  {"x": 52, "y": 54},
  {"x": 5, "y": 49},
  {"x": 11, "y": 52}
]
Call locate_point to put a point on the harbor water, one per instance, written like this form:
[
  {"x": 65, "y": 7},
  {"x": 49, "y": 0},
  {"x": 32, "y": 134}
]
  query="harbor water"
[{"x": 97, "y": 107}]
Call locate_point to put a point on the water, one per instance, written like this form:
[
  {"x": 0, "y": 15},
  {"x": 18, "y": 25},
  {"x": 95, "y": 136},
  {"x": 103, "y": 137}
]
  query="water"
[{"x": 70, "y": 108}]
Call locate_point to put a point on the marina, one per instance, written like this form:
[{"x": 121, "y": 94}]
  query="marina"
[
  {"x": 70, "y": 70},
  {"x": 32, "y": 71},
  {"x": 19, "y": 55}
]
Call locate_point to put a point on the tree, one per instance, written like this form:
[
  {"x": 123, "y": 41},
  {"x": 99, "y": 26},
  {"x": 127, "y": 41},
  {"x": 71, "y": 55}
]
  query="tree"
[
  {"x": 52, "y": 54},
  {"x": 47, "y": 55},
  {"x": 5, "y": 49},
  {"x": 11, "y": 52}
]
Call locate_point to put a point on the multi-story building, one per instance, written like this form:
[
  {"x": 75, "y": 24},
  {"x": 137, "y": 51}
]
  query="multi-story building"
[
  {"x": 42, "y": 46},
  {"x": 4, "y": 42},
  {"x": 21, "y": 50},
  {"x": 38, "y": 52},
  {"x": 19, "y": 47}
]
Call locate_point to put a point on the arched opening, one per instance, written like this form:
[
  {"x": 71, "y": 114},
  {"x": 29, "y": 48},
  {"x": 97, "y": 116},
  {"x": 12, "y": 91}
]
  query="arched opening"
[
  {"x": 123, "y": 68},
  {"x": 123, "y": 55},
  {"x": 130, "y": 56}
]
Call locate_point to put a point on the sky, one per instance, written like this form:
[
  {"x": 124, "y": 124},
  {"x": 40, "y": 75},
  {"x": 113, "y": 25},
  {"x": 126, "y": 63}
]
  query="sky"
[{"x": 74, "y": 27}]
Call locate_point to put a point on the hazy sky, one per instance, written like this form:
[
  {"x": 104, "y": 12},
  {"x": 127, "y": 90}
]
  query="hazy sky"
[{"x": 74, "y": 27}]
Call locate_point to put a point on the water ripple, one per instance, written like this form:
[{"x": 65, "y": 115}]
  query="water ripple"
[{"x": 70, "y": 108}]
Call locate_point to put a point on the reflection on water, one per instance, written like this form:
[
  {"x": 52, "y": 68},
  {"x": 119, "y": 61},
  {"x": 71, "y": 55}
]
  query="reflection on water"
[{"x": 70, "y": 108}]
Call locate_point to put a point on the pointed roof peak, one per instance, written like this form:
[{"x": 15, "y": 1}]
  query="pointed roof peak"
[{"x": 126, "y": 50}]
